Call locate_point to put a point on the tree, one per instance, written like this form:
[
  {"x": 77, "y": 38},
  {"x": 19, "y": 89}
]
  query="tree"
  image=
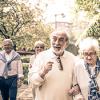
[
  {"x": 93, "y": 9},
  {"x": 22, "y": 24},
  {"x": 94, "y": 29},
  {"x": 91, "y": 6},
  {"x": 13, "y": 17}
]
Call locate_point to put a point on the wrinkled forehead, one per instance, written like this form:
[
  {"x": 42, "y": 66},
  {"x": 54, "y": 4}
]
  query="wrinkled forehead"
[{"x": 59, "y": 34}]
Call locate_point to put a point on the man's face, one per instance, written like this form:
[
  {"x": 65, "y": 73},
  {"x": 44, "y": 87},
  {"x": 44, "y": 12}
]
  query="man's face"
[
  {"x": 7, "y": 46},
  {"x": 90, "y": 56},
  {"x": 58, "y": 42}
]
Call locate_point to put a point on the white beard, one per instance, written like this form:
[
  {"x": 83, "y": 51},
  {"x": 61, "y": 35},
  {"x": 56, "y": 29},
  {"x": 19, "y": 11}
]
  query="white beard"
[{"x": 58, "y": 52}]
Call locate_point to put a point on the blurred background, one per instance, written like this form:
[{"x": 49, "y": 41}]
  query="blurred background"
[{"x": 26, "y": 21}]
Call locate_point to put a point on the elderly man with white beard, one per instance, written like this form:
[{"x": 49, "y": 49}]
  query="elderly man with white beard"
[{"x": 52, "y": 70}]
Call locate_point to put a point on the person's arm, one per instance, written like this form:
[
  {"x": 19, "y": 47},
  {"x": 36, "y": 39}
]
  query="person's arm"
[
  {"x": 39, "y": 69},
  {"x": 34, "y": 77},
  {"x": 75, "y": 91},
  {"x": 20, "y": 73},
  {"x": 20, "y": 69},
  {"x": 32, "y": 58}
]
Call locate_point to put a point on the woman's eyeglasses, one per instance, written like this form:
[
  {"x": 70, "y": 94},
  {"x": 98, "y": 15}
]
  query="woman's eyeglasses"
[
  {"x": 42, "y": 47},
  {"x": 89, "y": 54}
]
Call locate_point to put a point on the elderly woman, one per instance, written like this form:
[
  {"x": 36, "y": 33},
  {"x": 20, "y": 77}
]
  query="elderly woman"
[
  {"x": 39, "y": 46},
  {"x": 87, "y": 70}
]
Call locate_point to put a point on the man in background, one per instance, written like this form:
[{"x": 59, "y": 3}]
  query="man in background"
[{"x": 11, "y": 70}]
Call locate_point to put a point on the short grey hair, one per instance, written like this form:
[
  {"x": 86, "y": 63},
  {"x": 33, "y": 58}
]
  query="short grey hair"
[
  {"x": 8, "y": 40},
  {"x": 89, "y": 42}
]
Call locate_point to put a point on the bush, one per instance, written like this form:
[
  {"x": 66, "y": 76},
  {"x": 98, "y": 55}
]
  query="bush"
[
  {"x": 25, "y": 59},
  {"x": 25, "y": 72}
]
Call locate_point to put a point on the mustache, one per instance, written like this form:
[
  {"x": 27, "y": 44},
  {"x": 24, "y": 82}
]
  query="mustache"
[{"x": 56, "y": 46}]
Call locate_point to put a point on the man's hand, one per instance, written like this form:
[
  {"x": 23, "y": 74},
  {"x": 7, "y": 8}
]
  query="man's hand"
[
  {"x": 20, "y": 82},
  {"x": 74, "y": 90},
  {"x": 80, "y": 99},
  {"x": 46, "y": 69}
]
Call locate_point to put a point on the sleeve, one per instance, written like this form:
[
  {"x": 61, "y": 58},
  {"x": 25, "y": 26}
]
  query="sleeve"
[
  {"x": 34, "y": 77},
  {"x": 20, "y": 69},
  {"x": 77, "y": 95},
  {"x": 32, "y": 58},
  {"x": 75, "y": 82}
]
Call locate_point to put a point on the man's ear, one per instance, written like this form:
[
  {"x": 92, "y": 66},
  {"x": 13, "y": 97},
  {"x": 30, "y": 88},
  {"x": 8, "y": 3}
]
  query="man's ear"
[{"x": 67, "y": 43}]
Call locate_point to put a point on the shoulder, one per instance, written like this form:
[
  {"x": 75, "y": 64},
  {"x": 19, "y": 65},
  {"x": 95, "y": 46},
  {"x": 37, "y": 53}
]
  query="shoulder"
[
  {"x": 16, "y": 54},
  {"x": 70, "y": 58},
  {"x": 80, "y": 61},
  {"x": 44, "y": 56},
  {"x": 44, "y": 53},
  {"x": 2, "y": 52},
  {"x": 79, "y": 64},
  {"x": 32, "y": 58},
  {"x": 69, "y": 55}
]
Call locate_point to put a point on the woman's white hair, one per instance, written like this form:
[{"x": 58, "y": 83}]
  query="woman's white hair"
[
  {"x": 39, "y": 43},
  {"x": 87, "y": 43}
]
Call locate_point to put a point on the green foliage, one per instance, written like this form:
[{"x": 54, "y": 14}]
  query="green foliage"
[
  {"x": 25, "y": 72},
  {"x": 25, "y": 59},
  {"x": 14, "y": 16},
  {"x": 94, "y": 29},
  {"x": 91, "y": 6},
  {"x": 22, "y": 24}
]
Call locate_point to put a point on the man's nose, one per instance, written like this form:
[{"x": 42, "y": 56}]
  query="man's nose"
[{"x": 57, "y": 41}]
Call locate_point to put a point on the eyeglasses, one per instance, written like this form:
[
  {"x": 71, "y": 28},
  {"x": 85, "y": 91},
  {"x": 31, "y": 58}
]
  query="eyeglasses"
[
  {"x": 41, "y": 47},
  {"x": 86, "y": 54}
]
